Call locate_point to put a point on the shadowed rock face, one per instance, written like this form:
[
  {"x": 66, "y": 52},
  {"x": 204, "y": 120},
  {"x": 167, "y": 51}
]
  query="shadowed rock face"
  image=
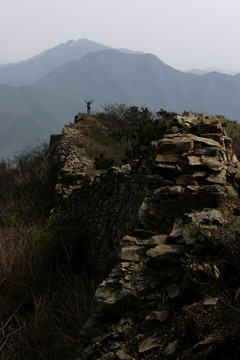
[{"x": 155, "y": 216}]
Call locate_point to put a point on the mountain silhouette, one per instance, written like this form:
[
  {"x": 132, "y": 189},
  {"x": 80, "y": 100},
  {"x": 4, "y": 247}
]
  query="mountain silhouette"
[{"x": 57, "y": 81}]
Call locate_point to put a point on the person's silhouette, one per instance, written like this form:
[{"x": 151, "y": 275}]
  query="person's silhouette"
[{"x": 88, "y": 106}]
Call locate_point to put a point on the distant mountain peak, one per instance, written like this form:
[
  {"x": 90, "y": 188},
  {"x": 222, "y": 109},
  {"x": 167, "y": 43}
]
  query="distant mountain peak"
[
  {"x": 71, "y": 43},
  {"x": 30, "y": 71},
  {"x": 211, "y": 69}
]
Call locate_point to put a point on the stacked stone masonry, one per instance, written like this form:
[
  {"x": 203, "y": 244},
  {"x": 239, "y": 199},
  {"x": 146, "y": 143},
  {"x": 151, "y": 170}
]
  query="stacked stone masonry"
[
  {"x": 106, "y": 205},
  {"x": 152, "y": 217}
]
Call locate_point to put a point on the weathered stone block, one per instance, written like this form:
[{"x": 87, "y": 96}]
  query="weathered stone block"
[
  {"x": 167, "y": 169},
  {"x": 212, "y": 162},
  {"x": 158, "y": 240},
  {"x": 194, "y": 160},
  {"x": 204, "y": 141},
  {"x": 113, "y": 300},
  {"x": 218, "y": 178},
  {"x": 132, "y": 253},
  {"x": 168, "y": 158},
  {"x": 208, "y": 216},
  {"x": 176, "y": 145},
  {"x": 166, "y": 252},
  {"x": 177, "y": 230}
]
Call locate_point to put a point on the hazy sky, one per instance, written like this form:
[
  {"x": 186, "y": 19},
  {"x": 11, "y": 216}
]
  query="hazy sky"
[{"x": 183, "y": 33}]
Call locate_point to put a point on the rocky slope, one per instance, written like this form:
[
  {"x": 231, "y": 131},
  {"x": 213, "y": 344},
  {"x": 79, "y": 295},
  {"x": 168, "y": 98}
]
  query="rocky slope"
[{"x": 168, "y": 227}]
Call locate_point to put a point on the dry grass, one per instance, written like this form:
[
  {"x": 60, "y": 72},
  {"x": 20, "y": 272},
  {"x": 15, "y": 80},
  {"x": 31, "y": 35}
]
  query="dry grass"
[
  {"x": 51, "y": 329},
  {"x": 17, "y": 252},
  {"x": 43, "y": 302},
  {"x": 97, "y": 140},
  {"x": 40, "y": 317}
]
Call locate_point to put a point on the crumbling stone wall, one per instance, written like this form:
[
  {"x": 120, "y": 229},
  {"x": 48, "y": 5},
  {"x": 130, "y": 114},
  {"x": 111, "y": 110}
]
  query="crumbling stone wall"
[
  {"x": 72, "y": 161},
  {"x": 105, "y": 205},
  {"x": 194, "y": 168},
  {"x": 149, "y": 219},
  {"x": 193, "y": 174},
  {"x": 107, "y": 209}
]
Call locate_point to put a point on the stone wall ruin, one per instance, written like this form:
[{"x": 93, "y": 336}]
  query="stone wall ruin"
[{"x": 151, "y": 217}]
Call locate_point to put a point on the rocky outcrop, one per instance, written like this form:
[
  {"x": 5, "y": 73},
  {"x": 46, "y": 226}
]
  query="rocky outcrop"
[{"x": 156, "y": 218}]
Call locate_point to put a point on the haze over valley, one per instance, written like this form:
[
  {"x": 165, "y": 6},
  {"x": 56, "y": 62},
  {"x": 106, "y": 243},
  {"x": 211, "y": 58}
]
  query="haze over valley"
[{"x": 39, "y": 95}]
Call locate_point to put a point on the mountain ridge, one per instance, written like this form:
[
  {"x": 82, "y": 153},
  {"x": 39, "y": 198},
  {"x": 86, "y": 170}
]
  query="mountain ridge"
[
  {"x": 55, "y": 86},
  {"x": 147, "y": 80},
  {"x": 29, "y": 71},
  {"x": 210, "y": 69}
]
